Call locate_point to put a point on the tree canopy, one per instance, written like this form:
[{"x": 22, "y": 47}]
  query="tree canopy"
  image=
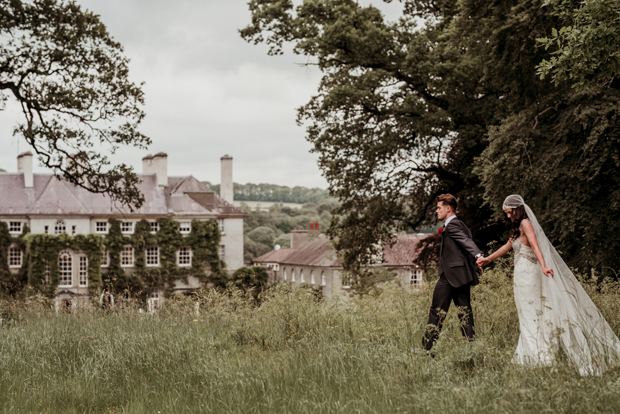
[
  {"x": 71, "y": 81},
  {"x": 586, "y": 45},
  {"x": 447, "y": 100}
]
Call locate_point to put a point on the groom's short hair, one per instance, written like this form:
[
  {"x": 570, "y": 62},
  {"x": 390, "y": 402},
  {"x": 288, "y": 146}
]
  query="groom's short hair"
[{"x": 448, "y": 199}]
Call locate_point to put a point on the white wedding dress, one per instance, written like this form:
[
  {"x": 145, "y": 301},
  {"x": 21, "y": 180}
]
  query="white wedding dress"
[
  {"x": 557, "y": 312},
  {"x": 533, "y": 347}
]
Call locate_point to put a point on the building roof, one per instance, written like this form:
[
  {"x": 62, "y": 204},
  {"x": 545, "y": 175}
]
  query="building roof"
[
  {"x": 319, "y": 252},
  {"x": 54, "y": 196}
]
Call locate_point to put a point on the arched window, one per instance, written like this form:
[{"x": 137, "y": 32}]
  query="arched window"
[
  {"x": 312, "y": 278},
  {"x": 65, "y": 269},
  {"x": 323, "y": 279},
  {"x": 60, "y": 227},
  {"x": 284, "y": 273},
  {"x": 303, "y": 276},
  {"x": 293, "y": 275}
]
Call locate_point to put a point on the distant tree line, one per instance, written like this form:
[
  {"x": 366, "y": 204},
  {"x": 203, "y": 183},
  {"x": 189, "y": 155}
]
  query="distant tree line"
[{"x": 273, "y": 192}]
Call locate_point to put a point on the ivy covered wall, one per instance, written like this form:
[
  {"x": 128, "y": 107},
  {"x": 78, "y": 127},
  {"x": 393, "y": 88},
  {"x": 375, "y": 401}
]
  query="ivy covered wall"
[{"x": 39, "y": 249}]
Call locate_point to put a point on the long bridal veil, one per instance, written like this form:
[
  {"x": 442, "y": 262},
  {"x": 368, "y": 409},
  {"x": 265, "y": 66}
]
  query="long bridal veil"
[{"x": 571, "y": 319}]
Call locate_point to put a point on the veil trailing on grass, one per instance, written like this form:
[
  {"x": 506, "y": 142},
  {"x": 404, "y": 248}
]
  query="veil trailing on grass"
[{"x": 571, "y": 319}]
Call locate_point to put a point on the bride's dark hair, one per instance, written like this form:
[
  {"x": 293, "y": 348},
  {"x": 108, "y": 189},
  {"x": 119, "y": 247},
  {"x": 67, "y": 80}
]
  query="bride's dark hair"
[{"x": 514, "y": 222}]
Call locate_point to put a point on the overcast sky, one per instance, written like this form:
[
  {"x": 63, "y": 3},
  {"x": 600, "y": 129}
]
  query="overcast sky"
[{"x": 208, "y": 92}]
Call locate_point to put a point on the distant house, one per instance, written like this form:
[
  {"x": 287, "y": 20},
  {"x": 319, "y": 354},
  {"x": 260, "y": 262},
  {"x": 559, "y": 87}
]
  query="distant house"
[
  {"x": 52, "y": 206},
  {"x": 312, "y": 260}
]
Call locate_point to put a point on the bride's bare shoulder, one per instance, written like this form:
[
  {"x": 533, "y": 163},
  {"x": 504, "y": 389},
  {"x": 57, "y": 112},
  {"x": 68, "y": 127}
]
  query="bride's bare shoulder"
[{"x": 526, "y": 225}]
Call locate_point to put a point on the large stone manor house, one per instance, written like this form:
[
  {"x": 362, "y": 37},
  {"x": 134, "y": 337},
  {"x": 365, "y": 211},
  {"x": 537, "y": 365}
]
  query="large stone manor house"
[{"x": 48, "y": 205}]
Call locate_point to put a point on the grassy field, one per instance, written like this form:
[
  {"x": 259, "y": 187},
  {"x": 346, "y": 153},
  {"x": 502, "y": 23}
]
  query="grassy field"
[{"x": 293, "y": 354}]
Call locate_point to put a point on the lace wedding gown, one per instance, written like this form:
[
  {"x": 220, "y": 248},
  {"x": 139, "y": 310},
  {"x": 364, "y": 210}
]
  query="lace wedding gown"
[
  {"x": 534, "y": 347},
  {"x": 557, "y": 312}
]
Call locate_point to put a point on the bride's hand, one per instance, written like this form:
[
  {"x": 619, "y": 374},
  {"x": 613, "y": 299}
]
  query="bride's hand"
[
  {"x": 548, "y": 272},
  {"x": 482, "y": 261}
]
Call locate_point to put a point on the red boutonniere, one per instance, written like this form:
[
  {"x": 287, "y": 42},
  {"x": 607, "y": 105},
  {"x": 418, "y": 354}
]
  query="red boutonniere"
[{"x": 440, "y": 230}]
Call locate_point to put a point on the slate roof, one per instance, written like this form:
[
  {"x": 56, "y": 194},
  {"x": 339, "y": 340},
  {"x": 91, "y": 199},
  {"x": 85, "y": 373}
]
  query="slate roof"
[
  {"x": 52, "y": 196},
  {"x": 319, "y": 252}
]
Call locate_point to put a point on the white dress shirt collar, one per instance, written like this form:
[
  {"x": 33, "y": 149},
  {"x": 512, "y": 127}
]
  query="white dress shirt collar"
[{"x": 448, "y": 220}]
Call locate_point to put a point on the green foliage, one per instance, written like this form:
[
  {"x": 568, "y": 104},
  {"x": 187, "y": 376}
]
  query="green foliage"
[
  {"x": 273, "y": 192},
  {"x": 406, "y": 112},
  {"x": 265, "y": 229},
  {"x": 204, "y": 240},
  {"x": 586, "y": 45},
  {"x": 250, "y": 279},
  {"x": 43, "y": 249},
  {"x": 10, "y": 283},
  {"x": 292, "y": 354},
  {"x": 71, "y": 80}
]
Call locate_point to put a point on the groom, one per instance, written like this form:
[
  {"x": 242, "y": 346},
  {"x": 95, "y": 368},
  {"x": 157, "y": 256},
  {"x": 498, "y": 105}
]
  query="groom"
[{"x": 456, "y": 273}]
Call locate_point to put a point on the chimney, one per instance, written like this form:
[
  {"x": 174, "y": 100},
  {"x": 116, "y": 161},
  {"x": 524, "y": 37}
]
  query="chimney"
[
  {"x": 316, "y": 226},
  {"x": 24, "y": 165},
  {"x": 226, "y": 179},
  {"x": 157, "y": 164},
  {"x": 312, "y": 226},
  {"x": 299, "y": 238}
]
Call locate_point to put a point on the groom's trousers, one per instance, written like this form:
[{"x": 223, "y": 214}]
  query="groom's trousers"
[{"x": 443, "y": 295}]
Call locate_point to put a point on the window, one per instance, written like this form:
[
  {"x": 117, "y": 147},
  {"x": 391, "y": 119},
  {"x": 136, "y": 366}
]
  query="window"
[
  {"x": 346, "y": 281},
  {"x": 60, "y": 227},
  {"x": 154, "y": 227},
  {"x": 302, "y": 276},
  {"x": 83, "y": 274},
  {"x": 312, "y": 278},
  {"x": 127, "y": 227},
  {"x": 184, "y": 256},
  {"x": 47, "y": 229},
  {"x": 222, "y": 252},
  {"x": 65, "y": 269},
  {"x": 101, "y": 227},
  {"x": 47, "y": 272},
  {"x": 73, "y": 230},
  {"x": 323, "y": 279},
  {"x": 415, "y": 276},
  {"x": 127, "y": 256},
  {"x": 152, "y": 256},
  {"x": 105, "y": 259},
  {"x": 284, "y": 273},
  {"x": 221, "y": 223},
  {"x": 15, "y": 257},
  {"x": 293, "y": 275},
  {"x": 185, "y": 227},
  {"x": 15, "y": 227}
]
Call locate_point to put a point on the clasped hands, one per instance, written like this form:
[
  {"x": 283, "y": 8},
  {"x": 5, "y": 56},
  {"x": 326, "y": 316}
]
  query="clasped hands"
[{"x": 482, "y": 261}]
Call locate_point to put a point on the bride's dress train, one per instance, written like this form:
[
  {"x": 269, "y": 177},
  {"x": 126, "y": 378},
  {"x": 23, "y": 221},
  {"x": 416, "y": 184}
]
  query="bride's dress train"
[{"x": 557, "y": 312}]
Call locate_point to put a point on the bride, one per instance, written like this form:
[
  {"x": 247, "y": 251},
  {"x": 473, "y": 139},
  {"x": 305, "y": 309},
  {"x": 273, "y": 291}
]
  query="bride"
[{"x": 554, "y": 311}]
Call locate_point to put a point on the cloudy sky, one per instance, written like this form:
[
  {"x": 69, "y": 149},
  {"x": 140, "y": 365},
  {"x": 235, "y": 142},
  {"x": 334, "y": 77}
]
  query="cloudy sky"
[{"x": 208, "y": 92}]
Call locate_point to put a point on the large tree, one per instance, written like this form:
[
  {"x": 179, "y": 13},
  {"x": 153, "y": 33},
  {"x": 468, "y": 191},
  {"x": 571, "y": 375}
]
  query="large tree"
[
  {"x": 410, "y": 109},
  {"x": 586, "y": 46},
  {"x": 71, "y": 80}
]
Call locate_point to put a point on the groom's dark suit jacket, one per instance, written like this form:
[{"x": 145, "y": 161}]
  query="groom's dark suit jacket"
[{"x": 457, "y": 256}]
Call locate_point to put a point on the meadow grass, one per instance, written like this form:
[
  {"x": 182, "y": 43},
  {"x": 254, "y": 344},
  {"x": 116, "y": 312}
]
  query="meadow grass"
[{"x": 292, "y": 354}]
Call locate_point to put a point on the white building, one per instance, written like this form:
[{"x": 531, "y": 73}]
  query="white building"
[
  {"x": 312, "y": 260},
  {"x": 48, "y": 205}
]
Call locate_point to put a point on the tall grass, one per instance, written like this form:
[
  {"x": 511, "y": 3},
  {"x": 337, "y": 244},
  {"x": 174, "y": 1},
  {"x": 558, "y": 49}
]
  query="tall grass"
[{"x": 293, "y": 353}]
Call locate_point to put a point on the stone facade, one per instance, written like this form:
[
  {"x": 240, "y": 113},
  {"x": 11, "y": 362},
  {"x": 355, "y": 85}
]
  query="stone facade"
[
  {"x": 48, "y": 205},
  {"x": 311, "y": 260}
]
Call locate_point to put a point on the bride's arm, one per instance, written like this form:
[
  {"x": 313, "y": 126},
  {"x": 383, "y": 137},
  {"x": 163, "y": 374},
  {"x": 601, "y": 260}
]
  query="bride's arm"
[
  {"x": 498, "y": 253},
  {"x": 528, "y": 229}
]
